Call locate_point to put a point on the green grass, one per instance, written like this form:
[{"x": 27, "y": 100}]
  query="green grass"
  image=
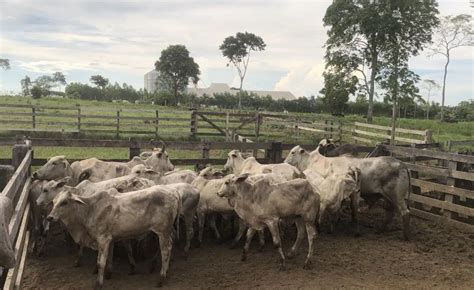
[{"x": 275, "y": 130}]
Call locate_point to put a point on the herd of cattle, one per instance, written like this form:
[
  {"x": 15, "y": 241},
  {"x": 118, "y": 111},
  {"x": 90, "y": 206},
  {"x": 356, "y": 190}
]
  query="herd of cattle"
[{"x": 100, "y": 203}]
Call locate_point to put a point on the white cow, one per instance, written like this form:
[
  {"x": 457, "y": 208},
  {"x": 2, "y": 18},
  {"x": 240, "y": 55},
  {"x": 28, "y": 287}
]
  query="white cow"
[
  {"x": 380, "y": 177},
  {"x": 263, "y": 203},
  {"x": 239, "y": 165},
  {"x": 170, "y": 177},
  {"x": 107, "y": 216}
]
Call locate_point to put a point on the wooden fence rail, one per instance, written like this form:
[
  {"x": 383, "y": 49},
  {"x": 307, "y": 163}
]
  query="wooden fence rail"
[
  {"x": 371, "y": 134},
  {"x": 440, "y": 193},
  {"x": 17, "y": 190}
]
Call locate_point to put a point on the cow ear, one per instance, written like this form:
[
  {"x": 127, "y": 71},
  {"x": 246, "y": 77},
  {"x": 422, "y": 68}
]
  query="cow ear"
[
  {"x": 145, "y": 155},
  {"x": 63, "y": 182},
  {"x": 84, "y": 175},
  {"x": 242, "y": 178},
  {"x": 150, "y": 171},
  {"x": 77, "y": 199}
]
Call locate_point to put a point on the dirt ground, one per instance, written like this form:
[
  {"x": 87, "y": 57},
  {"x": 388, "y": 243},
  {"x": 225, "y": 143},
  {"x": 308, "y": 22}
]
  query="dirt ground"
[{"x": 437, "y": 257}]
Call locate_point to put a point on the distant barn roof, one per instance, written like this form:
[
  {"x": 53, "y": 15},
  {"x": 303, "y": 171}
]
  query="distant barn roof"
[{"x": 215, "y": 88}]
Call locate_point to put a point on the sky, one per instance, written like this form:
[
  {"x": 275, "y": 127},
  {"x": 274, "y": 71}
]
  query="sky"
[{"x": 121, "y": 40}]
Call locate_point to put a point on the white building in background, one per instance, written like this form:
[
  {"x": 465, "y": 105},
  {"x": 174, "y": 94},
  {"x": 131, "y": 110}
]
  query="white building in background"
[
  {"x": 224, "y": 88},
  {"x": 151, "y": 79}
]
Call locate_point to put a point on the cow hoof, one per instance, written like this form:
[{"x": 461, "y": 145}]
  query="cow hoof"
[
  {"x": 357, "y": 235},
  {"x": 161, "y": 279},
  {"x": 291, "y": 255},
  {"x": 97, "y": 286},
  {"x": 186, "y": 255},
  {"x": 96, "y": 270},
  {"x": 282, "y": 267},
  {"x": 307, "y": 265},
  {"x": 261, "y": 248},
  {"x": 244, "y": 257},
  {"x": 132, "y": 272}
]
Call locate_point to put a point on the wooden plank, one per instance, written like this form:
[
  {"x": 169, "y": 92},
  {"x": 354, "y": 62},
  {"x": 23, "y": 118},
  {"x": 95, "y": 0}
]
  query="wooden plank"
[
  {"x": 18, "y": 177},
  {"x": 442, "y": 204},
  {"x": 441, "y": 219},
  {"x": 427, "y": 186},
  {"x": 368, "y": 141},
  {"x": 36, "y": 106},
  {"x": 18, "y": 213},
  {"x": 20, "y": 243},
  {"x": 439, "y": 171},
  {"x": 21, "y": 265},
  {"x": 430, "y": 153},
  {"x": 39, "y": 130},
  {"x": 461, "y": 142},
  {"x": 212, "y": 124},
  {"x": 385, "y": 128}
]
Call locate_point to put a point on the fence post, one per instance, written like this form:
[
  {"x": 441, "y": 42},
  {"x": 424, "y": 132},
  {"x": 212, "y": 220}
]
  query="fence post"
[
  {"x": 428, "y": 137},
  {"x": 33, "y": 117},
  {"x": 18, "y": 153},
  {"x": 133, "y": 148},
  {"x": 79, "y": 120},
  {"x": 193, "y": 123},
  {"x": 205, "y": 150},
  {"x": 326, "y": 129},
  {"x": 117, "y": 133},
  {"x": 257, "y": 126},
  {"x": 452, "y": 166},
  {"x": 157, "y": 121},
  {"x": 277, "y": 152}
]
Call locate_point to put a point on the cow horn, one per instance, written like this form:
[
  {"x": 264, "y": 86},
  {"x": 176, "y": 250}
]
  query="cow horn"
[{"x": 163, "y": 145}]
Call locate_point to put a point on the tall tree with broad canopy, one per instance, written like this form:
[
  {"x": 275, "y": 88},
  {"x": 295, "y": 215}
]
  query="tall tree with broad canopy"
[
  {"x": 337, "y": 88},
  {"x": 99, "y": 81},
  {"x": 177, "y": 68},
  {"x": 408, "y": 26},
  {"x": 453, "y": 32},
  {"x": 59, "y": 79},
  {"x": 237, "y": 50},
  {"x": 25, "y": 86}
]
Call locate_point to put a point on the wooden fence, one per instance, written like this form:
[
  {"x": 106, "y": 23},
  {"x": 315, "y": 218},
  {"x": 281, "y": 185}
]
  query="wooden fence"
[
  {"x": 371, "y": 134},
  {"x": 442, "y": 185},
  {"x": 82, "y": 121},
  {"x": 17, "y": 190},
  {"x": 453, "y": 145}
]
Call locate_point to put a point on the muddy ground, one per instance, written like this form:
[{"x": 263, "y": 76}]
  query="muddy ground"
[{"x": 437, "y": 257}]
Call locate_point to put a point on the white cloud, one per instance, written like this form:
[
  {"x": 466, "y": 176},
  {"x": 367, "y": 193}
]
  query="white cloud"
[{"x": 302, "y": 81}]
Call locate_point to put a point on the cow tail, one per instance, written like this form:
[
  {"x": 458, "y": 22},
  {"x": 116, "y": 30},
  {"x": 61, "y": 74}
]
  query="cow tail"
[{"x": 409, "y": 186}]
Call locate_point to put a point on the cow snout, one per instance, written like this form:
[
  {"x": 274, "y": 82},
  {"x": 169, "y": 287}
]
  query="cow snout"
[
  {"x": 35, "y": 175},
  {"x": 220, "y": 194},
  {"x": 50, "y": 218}
]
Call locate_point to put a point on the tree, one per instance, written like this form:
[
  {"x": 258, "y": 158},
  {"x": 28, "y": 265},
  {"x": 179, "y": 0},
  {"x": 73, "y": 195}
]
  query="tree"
[
  {"x": 429, "y": 85},
  {"x": 409, "y": 26},
  {"x": 337, "y": 88},
  {"x": 176, "y": 68},
  {"x": 59, "y": 79},
  {"x": 99, "y": 81},
  {"x": 237, "y": 50},
  {"x": 453, "y": 32},
  {"x": 36, "y": 92},
  {"x": 25, "y": 86},
  {"x": 45, "y": 83},
  {"x": 5, "y": 63}
]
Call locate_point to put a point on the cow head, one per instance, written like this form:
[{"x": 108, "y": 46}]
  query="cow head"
[
  {"x": 325, "y": 146},
  {"x": 56, "y": 168},
  {"x": 50, "y": 190},
  {"x": 63, "y": 205},
  {"x": 228, "y": 188},
  {"x": 210, "y": 173},
  {"x": 132, "y": 184},
  {"x": 296, "y": 156},
  {"x": 159, "y": 160},
  {"x": 146, "y": 172},
  {"x": 234, "y": 161}
]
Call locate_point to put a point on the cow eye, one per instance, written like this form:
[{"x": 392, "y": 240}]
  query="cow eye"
[
  {"x": 159, "y": 155},
  {"x": 63, "y": 203},
  {"x": 234, "y": 155},
  {"x": 45, "y": 190},
  {"x": 226, "y": 183},
  {"x": 54, "y": 163}
]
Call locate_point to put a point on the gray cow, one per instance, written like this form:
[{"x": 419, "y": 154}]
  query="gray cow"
[
  {"x": 107, "y": 216},
  {"x": 263, "y": 203},
  {"x": 380, "y": 176}
]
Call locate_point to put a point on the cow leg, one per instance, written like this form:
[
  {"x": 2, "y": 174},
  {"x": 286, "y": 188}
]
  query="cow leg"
[
  {"x": 165, "y": 247},
  {"x": 102, "y": 261},
  {"x": 188, "y": 222},
  {"x": 389, "y": 214},
  {"x": 261, "y": 239},
  {"x": 311, "y": 231},
  {"x": 239, "y": 235},
  {"x": 275, "y": 231},
  {"x": 355, "y": 213},
  {"x": 250, "y": 234},
  {"x": 131, "y": 259},
  {"x": 299, "y": 238},
  {"x": 212, "y": 224},
  {"x": 201, "y": 219},
  {"x": 110, "y": 261},
  {"x": 78, "y": 261}
]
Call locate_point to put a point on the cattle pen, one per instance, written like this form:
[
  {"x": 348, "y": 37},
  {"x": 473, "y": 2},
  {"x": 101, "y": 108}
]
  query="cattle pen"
[{"x": 441, "y": 253}]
